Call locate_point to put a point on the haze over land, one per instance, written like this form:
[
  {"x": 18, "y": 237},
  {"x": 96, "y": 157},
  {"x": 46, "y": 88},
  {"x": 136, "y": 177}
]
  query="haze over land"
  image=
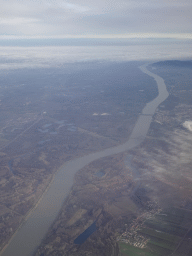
[
  {"x": 59, "y": 103},
  {"x": 72, "y": 94}
]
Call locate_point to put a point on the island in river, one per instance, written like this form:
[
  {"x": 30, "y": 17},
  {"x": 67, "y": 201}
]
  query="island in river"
[{"x": 130, "y": 191}]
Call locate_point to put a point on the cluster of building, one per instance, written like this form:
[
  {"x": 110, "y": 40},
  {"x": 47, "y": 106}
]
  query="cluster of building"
[{"x": 132, "y": 234}]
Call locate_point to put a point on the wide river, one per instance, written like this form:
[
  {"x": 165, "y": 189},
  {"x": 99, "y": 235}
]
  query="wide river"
[{"x": 29, "y": 236}]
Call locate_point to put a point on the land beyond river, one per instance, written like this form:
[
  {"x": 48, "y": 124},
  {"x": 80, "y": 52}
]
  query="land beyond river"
[{"x": 30, "y": 234}]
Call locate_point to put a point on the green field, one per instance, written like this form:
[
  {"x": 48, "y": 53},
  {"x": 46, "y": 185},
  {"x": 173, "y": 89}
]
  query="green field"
[
  {"x": 164, "y": 233},
  {"x": 127, "y": 249},
  {"x": 160, "y": 235}
]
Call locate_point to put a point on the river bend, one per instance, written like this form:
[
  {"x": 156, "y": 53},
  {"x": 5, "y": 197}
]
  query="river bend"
[{"x": 30, "y": 234}]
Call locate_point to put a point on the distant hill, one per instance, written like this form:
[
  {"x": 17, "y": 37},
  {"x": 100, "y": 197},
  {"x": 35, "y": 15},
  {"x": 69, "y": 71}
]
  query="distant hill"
[{"x": 174, "y": 63}]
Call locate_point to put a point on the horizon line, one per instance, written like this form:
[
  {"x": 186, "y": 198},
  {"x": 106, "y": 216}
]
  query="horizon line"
[{"x": 105, "y": 36}]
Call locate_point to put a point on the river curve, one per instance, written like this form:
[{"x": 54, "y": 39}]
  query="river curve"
[{"x": 29, "y": 236}]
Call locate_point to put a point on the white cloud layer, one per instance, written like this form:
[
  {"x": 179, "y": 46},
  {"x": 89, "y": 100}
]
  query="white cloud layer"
[
  {"x": 59, "y": 56},
  {"x": 88, "y": 17}
]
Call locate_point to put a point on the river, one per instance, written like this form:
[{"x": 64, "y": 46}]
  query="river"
[{"x": 30, "y": 234}]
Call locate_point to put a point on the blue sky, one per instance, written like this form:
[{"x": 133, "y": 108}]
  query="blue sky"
[{"x": 97, "y": 19}]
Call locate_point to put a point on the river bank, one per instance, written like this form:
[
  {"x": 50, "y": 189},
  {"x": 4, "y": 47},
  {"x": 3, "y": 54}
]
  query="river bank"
[{"x": 30, "y": 234}]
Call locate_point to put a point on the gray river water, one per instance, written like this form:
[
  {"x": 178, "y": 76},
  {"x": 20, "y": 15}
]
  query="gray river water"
[{"x": 29, "y": 236}]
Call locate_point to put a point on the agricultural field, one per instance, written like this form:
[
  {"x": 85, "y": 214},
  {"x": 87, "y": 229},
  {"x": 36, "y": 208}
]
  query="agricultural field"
[{"x": 167, "y": 233}]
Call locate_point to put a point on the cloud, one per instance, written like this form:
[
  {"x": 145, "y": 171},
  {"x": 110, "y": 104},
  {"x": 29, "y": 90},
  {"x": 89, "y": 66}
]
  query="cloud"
[
  {"x": 86, "y": 17},
  {"x": 75, "y": 7},
  {"x": 15, "y": 21}
]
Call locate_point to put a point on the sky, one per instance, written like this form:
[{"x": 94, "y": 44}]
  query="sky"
[{"x": 95, "y": 18}]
